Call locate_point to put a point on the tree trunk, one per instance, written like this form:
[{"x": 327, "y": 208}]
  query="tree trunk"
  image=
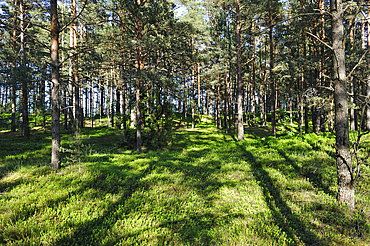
[
  {"x": 355, "y": 99},
  {"x": 101, "y": 102},
  {"x": 218, "y": 113},
  {"x": 225, "y": 101},
  {"x": 346, "y": 191},
  {"x": 14, "y": 90},
  {"x": 92, "y": 100},
  {"x": 198, "y": 76},
  {"x": 137, "y": 108},
  {"x": 64, "y": 86},
  {"x": 112, "y": 98},
  {"x": 352, "y": 110},
  {"x": 123, "y": 108},
  {"x": 192, "y": 101},
  {"x": 273, "y": 88},
  {"x": 239, "y": 75},
  {"x": 24, "y": 101},
  {"x": 76, "y": 100},
  {"x": 118, "y": 107},
  {"x": 368, "y": 77},
  {"x": 55, "y": 100},
  {"x": 290, "y": 103},
  {"x": 254, "y": 74},
  {"x": 72, "y": 90},
  {"x": 184, "y": 105}
]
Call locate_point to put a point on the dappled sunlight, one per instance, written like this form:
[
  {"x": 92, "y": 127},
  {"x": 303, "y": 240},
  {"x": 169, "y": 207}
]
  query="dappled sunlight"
[{"x": 204, "y": 189}]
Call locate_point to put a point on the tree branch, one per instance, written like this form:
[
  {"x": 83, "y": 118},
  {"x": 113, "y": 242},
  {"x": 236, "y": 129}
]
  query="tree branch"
[
  {"x": 353, "y": 21},
  {"x": 313, "y": 35},
  {"x": 77, "y": 16}
]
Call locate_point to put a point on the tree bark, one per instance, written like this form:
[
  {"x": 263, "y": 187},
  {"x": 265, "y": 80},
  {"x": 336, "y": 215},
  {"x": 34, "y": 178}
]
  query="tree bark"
[
  {"x": 225, "y": 101},
  {"x": 368, "y": 77},
  {"x": 218, "y": 106},
  {"x": 346, "y": 191},
  {"x": 14, "y": 90},
  {"x": 137, "y": 108},
  {"x": 118, "y": 107},
  {"x": 92, "y": 100},
  {"x": 352, "y": 110},
  {"x": 254, "y": 74},
  {"x": 72, "y": 89},
  {"x": 198, "y": 76},
  {"x": 239, "y": 75},
  {"x": 273, "y": 89},
  {"x": 24, "y": 112},
  {"x": 55, "y": 100}
]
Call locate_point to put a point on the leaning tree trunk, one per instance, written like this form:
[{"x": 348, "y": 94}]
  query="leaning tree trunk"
[
  {"x": 346, "y": 191},
  {"x": 55, "y": 112}
]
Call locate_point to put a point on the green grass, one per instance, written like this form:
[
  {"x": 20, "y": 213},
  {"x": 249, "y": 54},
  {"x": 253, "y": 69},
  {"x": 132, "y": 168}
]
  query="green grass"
[{"x": 203, "y": 188}]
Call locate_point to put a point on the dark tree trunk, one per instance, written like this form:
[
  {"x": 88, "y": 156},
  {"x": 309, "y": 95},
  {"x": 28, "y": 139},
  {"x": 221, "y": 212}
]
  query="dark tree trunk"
[
  {"x": 92, "y": 101},
  {"x": 317, "y": 119},
  {"x": 118, "y": 107},
  {"x": 101, "y": 103},
  {"x": 123, "y": 108}
]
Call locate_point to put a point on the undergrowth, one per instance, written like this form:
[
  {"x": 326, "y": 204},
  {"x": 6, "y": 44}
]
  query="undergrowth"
[{"x": 199, "y": 187}]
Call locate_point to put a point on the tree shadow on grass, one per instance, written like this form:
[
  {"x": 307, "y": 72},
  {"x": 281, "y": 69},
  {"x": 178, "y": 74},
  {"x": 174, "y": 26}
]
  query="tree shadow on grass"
[
  {"x": 290, "y": 223},
  {"x": 194, "y": 229},
  {"x": 258, "y": 132},
  {"x": 87, "y": 231},
  {"x": 17, "y": 152},
  {"x": 314, "y": 178},
  {"x": 198, "y": 225}
]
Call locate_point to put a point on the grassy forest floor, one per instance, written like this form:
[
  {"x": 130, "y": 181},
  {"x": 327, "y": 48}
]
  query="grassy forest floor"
[{"x": 203, "y": 188}]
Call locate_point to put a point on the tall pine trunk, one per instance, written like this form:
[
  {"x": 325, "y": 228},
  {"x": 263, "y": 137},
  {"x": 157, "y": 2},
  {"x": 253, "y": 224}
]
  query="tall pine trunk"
[
  {"x": 346, "y": 189},
  {"x": 55, "y": 100},
  {"x": 137, "y": 108},
  {"x": 273, "y": 84},
  {"x": 14, "y": 90},
  {"x": 198, "y": 76},
  {"x": 239, "y": 75},
  {"x": 25, "y": 128}
]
